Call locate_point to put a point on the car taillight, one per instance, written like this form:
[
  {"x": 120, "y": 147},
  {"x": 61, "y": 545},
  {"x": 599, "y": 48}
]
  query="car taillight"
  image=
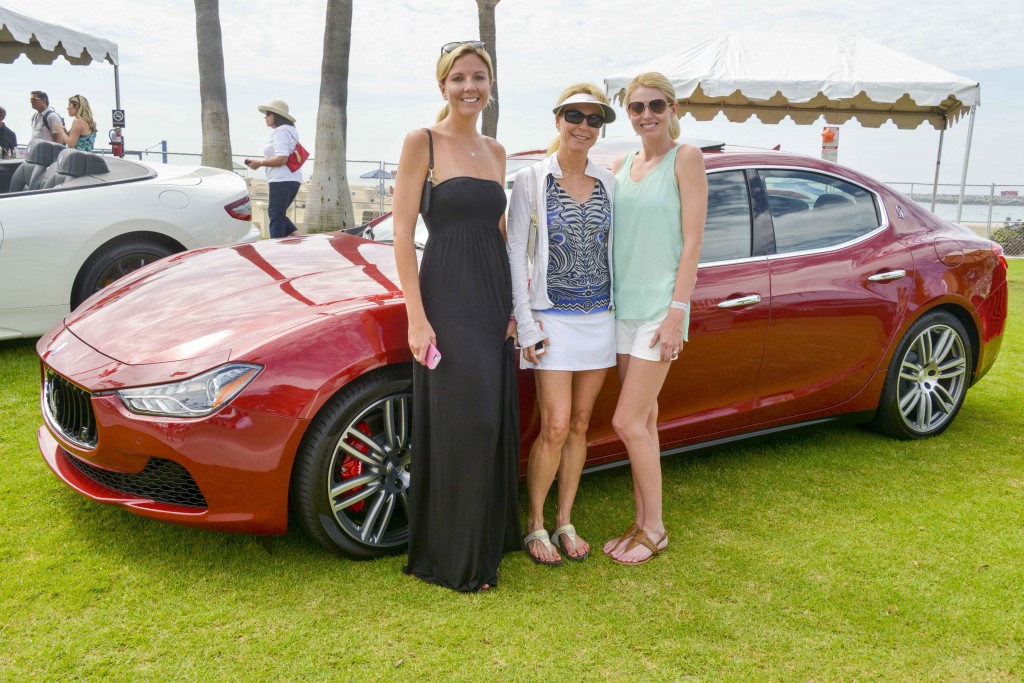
[
  {"x": 241, "y": 209},
  {"x": 997, "y": 249}
]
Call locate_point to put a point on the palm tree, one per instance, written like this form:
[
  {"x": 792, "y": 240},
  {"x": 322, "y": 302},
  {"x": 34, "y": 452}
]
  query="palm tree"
[
  {"x": 329, "y": 205},
  {"x": 488, "y": 34},
  {"x": 213, "y": 91}
]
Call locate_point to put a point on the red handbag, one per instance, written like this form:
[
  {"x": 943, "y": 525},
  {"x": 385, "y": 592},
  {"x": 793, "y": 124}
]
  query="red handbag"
[{"x": 298, "y": 157}]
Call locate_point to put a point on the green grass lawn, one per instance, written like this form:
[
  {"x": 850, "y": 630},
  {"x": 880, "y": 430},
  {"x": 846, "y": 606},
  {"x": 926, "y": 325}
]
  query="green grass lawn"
[{"x": 823, "y": 555}]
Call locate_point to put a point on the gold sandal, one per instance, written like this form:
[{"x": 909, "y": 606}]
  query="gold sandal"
[
  {"x": 630, "y": 533},
  {"x": 641, "y": 538}
]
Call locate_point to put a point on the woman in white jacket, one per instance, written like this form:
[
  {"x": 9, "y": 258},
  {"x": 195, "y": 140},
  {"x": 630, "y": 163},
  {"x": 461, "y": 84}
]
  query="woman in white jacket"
[{"x": 559, "y": 245}]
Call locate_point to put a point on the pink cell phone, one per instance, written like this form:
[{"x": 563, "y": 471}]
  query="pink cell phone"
[{"x": 433, "y": 356}]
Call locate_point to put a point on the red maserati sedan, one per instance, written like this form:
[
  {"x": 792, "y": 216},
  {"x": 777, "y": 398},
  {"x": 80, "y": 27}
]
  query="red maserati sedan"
[{"x": 237, "y": 388}]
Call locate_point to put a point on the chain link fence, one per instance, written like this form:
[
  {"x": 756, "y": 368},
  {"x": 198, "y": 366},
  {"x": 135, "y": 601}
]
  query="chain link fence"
[
  {"x": 992, "y": 211},
  {"x": 371, "y": 183}
]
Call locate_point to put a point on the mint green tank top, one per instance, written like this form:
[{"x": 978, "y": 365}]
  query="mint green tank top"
[{"x": 648, "y": 239}]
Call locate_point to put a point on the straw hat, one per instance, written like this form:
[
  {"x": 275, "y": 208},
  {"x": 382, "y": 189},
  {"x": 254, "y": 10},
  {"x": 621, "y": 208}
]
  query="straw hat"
[{"x": 277, "y": 107}]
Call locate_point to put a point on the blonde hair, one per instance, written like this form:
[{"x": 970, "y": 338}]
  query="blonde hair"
[
  {"x": 653, "y": 79},
  {"x": 84, "y": 111},
  {"x": 447, "y": 61},
  {"x": 575, "y": 89}
]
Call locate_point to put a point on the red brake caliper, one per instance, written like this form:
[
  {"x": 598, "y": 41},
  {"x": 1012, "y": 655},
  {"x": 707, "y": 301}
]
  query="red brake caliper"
[{"x": 350, "y": 467}]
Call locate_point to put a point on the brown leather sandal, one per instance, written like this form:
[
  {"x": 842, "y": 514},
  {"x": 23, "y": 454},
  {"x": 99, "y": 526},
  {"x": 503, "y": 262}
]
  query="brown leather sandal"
[
  {"x": 641, "y": 538},
  {"x": 630, "y": 533}
]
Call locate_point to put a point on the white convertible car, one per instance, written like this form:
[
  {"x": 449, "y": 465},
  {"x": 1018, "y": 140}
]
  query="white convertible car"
[{"x": 72, "y": 222}]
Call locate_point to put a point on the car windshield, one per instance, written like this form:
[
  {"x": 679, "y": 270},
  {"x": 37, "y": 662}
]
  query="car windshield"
[
  {"x": 385, "y": 231},
  {"x": 512, "y": 167}
]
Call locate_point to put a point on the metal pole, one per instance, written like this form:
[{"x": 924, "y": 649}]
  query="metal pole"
[
  {"x": 991, "y": 201},
  {"x": 117, "y": 87},
  {"x": 163, "y": 150},
  {"x": 967, "y": 157},
  {"x": 938, "y": 161}
]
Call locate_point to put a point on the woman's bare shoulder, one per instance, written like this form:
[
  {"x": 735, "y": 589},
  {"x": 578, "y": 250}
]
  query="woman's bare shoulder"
[
  {"x": 416, "y": 137},
  {"x": 618, "y": 164},
  {"x": 688, "y": 155}
]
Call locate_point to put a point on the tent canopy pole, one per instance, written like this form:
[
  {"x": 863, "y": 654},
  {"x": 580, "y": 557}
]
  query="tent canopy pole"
[
  {"x": 938, "y": 162},
  {"x": 967, "y": 157}
]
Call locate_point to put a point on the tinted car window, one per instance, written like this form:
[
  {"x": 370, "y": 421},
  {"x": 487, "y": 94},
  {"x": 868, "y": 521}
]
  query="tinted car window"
[
  {"x": 812, "y": 210},
  {"x": 727, "y": 228}
]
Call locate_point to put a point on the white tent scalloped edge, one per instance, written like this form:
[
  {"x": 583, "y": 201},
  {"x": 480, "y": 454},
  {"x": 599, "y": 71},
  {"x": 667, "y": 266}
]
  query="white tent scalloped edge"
[{"x": 809, "y": 76}]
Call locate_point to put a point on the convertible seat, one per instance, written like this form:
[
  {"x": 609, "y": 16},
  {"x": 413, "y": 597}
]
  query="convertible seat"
[
  {"x": 73, "y": 163},
  {"x": 40, "y": 155}
]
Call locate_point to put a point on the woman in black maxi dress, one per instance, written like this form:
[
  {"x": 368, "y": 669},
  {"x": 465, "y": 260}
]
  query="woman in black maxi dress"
[
  {"x": 463, "y": 492},
  {"x": 465, "y": 469}
]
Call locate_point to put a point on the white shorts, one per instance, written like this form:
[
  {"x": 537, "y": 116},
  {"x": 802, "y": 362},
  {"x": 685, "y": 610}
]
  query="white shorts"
[
  {"x": 633, "y": 337},
  {"x": 577, "y": 342}
]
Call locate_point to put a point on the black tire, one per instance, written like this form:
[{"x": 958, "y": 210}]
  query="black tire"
[
  {"x": 113, "y": 263},
  {"x": 927, "y": 379},
  {"x": 350, "y": 481}
]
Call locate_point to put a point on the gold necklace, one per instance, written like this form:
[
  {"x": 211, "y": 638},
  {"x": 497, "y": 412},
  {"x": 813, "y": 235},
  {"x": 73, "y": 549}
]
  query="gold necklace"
[{"x": 572, "y": 171}]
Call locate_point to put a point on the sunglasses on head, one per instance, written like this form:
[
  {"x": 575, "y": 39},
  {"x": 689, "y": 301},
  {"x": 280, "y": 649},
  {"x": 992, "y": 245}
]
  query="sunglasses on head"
[
  {"x": 451, "y": 47},
  {"x": 575, "y": 116},
  {"x": 656, "y": 107}
]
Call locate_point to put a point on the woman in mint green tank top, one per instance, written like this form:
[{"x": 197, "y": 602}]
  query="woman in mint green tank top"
[{"x": 661, "y": 196}]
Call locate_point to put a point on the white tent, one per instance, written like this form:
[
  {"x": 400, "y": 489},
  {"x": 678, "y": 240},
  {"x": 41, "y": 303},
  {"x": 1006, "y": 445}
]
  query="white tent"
[
  {"x": 43, "y": 42},
  {"x": 807, "y": 76}
]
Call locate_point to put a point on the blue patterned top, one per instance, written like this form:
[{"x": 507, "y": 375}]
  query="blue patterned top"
[
  {"x": 579, "y": 280},
  {"x": 86, "y": 142}
]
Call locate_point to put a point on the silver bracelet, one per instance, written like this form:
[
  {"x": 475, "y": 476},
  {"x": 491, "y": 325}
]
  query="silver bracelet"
[{"x": 681, "y": 305}]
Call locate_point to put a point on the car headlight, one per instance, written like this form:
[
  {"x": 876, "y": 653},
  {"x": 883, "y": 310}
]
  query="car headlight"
[{"x": 194, "y": 397}]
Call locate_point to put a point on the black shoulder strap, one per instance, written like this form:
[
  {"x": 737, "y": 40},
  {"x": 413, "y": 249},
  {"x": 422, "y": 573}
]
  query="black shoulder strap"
[{"x": 430, "y": 144}]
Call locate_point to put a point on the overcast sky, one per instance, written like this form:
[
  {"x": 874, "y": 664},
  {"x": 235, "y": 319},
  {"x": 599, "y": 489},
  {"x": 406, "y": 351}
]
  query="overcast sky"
[{"x": 273, "y": 51}]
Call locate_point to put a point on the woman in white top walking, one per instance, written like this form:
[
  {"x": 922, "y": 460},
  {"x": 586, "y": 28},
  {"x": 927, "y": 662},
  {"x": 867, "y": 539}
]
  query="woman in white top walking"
[{"x": 282, "y": 182}]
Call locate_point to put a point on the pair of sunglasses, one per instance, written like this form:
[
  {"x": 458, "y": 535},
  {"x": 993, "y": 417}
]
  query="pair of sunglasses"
[
  {"x": 575, "y": 116},
  {"x": 451, "y": 47},
  {"x": 656, "y": 107}
]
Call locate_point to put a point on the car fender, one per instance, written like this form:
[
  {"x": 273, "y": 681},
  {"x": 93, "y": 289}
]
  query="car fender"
[
  {"x": 946, "y": 289},
  {"x": 352, "y": 343}
]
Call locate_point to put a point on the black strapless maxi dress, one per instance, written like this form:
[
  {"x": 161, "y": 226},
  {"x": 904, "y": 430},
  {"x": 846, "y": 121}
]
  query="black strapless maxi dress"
[{"x": 463, "y": 494}]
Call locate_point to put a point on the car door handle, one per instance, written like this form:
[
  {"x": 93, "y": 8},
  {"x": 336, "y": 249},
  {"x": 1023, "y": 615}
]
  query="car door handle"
[
  {"x": 888, "y": 275},
  {"x": 748, "y": 300}
]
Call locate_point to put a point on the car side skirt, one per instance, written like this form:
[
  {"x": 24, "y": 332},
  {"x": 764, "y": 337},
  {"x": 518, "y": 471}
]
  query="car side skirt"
[{"x": 837, "y": 420}]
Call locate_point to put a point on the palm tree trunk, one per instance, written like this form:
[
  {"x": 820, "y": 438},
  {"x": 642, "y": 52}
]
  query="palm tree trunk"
[
  {"x": 213, "y": 91},
  {"x": 329, "y": 206},
  {"x": 489, "y": 35}
]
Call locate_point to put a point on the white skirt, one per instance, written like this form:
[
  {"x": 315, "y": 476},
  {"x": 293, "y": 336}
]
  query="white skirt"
[{"x": 575, "y": 342}]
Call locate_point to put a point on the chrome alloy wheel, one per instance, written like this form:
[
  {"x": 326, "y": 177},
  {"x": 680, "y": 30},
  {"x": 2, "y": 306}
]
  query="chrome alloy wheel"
[
  {"x": 369, "y": 473},
  {"x": 932, "y": 379}
]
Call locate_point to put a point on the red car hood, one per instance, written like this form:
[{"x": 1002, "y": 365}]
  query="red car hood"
[{"x": 211, "y": 301}]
